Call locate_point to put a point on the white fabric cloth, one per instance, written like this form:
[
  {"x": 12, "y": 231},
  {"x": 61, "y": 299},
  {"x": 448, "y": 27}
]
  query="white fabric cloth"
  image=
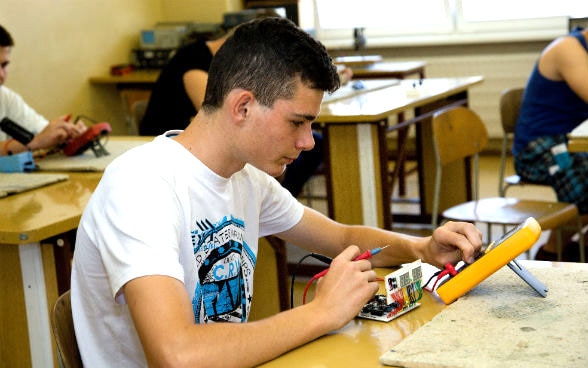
[
  {"x": 13, "y": 106},
  {"x": 158, "y": 210}
]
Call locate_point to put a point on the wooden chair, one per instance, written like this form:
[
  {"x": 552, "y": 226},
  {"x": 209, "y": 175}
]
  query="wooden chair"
[
  {"x": 458, "y": 134},
  {"x": 270, "y": 286},
  {"x": 134, "y": 103},
  {"x": 63, "y": 330},
  {"x": 510, "y": 103}
]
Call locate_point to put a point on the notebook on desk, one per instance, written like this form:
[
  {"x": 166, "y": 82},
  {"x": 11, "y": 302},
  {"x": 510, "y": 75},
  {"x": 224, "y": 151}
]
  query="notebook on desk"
[{"x": 11, "y": 183}]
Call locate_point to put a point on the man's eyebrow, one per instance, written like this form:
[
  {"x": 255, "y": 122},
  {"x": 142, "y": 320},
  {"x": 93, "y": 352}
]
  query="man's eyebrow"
[{"x": 308, "y": 117}]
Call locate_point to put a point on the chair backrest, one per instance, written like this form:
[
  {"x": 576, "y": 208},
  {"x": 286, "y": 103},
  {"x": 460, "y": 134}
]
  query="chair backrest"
[
  {"x": 138, "y": 111},
  {"x": 458, "y": 134},
  {"x": 130, "y": 97},
  {"x": 63, "y": 330},
  {"x": 510, "y": 104}
]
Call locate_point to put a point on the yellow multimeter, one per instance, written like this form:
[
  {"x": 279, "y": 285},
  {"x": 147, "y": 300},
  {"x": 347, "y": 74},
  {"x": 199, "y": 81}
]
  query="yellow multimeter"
[{"x": 497, "y": 255}]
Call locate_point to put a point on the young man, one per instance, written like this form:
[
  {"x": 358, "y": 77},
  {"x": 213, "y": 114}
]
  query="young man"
[
  {"x": 12, "y": 106},
  {"x": 555, "y": 101},
  {"x": 168, "y": 243},
  {"x": 179, "y": 92}
]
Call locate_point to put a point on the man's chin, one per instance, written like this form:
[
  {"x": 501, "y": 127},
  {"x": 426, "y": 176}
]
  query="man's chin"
[{"x": 277, "y": 171}]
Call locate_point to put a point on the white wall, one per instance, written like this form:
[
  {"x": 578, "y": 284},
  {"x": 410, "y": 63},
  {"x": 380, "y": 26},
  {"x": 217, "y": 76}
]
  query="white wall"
[
  {"x": 60, "y": 44},
  {"x": 502, "y": 66}
]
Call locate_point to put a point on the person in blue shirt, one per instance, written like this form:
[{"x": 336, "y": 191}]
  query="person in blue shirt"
[{"x": 555, "y": 101}]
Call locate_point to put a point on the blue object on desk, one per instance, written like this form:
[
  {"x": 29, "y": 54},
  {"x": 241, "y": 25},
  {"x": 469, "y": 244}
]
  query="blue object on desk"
[{"x": 18, "y": 162}]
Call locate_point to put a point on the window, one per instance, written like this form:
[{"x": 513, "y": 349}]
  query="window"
[{"x": 419, "y": 22}]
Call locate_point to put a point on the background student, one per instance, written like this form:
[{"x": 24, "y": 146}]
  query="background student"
[
  {"x": 555, "y": 101},
  {"x": 47, "y": 133}
]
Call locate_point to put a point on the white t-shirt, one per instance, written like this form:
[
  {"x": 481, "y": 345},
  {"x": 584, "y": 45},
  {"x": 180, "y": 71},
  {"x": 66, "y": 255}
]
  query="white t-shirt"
[
  {"x": 158, "y": 210},
  {"x": 16, "y": 109}
]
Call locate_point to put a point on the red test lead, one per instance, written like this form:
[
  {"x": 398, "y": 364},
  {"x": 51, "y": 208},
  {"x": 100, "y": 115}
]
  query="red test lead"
[{"x": 370, "y": 253}]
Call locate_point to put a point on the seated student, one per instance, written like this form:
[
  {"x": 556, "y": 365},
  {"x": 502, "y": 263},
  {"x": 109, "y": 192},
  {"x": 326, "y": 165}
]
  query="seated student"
[
  {"x": 47, "y": 133},
  {"x": 178, "y": 94},
  {"x": 167, "y": 245},
  {"x": 555, "y": 101}
]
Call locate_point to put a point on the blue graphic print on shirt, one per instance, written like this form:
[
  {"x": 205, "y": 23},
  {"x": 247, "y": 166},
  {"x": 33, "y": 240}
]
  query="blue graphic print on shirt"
[{"x": 225, "y": 266}]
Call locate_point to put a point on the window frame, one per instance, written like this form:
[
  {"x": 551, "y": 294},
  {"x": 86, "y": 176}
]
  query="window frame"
[{"x": 456, "y": 30}]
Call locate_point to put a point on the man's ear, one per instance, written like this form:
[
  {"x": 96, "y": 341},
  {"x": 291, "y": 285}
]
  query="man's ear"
[{"x": 240, "y": 103}]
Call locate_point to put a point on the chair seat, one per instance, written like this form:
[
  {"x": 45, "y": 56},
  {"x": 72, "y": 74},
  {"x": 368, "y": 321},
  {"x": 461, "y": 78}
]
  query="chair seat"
[
  {"x": 513, "y": 211},
  {"x": 516, "y": 180}
]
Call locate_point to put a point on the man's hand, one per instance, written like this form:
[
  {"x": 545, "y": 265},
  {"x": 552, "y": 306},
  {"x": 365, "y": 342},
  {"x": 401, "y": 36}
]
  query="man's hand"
[
  {"x": 346, "y": 288},
  {"x": 454, "y": 242},
  {"x": 59, "y": 131}
]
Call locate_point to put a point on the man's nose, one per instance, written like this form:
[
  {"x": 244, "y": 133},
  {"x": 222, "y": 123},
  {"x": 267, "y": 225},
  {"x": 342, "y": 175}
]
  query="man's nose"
[{"x": 306, "y": 141}]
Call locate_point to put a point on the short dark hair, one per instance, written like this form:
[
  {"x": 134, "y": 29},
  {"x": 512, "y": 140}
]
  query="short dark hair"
[
  {"x": 266, "y": 56},
  {"x": 5, "y": 38}
]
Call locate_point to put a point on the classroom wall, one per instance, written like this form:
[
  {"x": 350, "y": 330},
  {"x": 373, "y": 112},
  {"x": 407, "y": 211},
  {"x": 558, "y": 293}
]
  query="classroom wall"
[
  {"x": 503, "y": 65},
  {"x": 62, "y": 43},
  {"x": 205, "y": 11},
  {"x": 59, "y": 44}
]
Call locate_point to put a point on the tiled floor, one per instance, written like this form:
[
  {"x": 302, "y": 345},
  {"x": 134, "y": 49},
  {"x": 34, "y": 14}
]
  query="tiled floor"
[{"x": 489, "y": 171}]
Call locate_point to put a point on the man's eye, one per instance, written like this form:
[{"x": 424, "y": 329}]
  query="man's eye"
[{"x": 298, "y": 122}]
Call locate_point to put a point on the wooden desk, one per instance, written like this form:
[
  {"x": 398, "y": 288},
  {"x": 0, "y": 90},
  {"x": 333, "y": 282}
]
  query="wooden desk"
[
  {"x": 355, "y": 132},
  {"x": 144, "y": 78},
  {"x": 28, "y": 270},
  {"x": 361, "y": 342},
  {"x": 139, "y": 78},
  {"x": 578, "y": 144},
  {"x": 393, "y": 69},
  {"x": 29, "y": 265}
]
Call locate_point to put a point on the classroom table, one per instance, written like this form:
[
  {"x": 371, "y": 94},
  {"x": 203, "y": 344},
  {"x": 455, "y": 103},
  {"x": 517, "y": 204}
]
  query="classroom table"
[
  {"x": 578, "y": 144},
  {"x": 578, "y": 138},
  {"x": 28, "y": 276},
  {"x": 355, "y": 131},
  {"x": 390, "y": 69},
  {"x": 145, "y": 78},
  {"x": 30, "y": 268},
  {"x": 361, "y": 342}
]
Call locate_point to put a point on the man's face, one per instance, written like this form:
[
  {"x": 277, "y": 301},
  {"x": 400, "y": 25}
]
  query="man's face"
[
  {"x": 4, "y": 61},
  {"x": 280, "y": 133}
]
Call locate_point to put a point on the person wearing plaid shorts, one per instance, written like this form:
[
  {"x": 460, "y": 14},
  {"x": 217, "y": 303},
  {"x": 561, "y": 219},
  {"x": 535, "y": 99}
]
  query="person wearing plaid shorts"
[{"x": 555, "y": 101}]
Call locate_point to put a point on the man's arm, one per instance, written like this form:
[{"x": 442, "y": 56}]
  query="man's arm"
[
  {"x": 163, "y": 316},
  {"x": 571, "y": 63},
  {"x": 452, "y": 242},
  {"x": 195, "y": 84}
]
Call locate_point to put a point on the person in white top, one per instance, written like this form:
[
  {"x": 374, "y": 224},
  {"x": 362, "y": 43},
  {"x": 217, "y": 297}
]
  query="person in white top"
[
  {"x": 47, "y": 134},
  {"x": 167, "y": 245}
]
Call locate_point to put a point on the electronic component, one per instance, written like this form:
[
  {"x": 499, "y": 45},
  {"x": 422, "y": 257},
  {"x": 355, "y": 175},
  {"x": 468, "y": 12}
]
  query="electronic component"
[
  {"x": 89, "y": 139},
  {"x": 403, "y": 291}
]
